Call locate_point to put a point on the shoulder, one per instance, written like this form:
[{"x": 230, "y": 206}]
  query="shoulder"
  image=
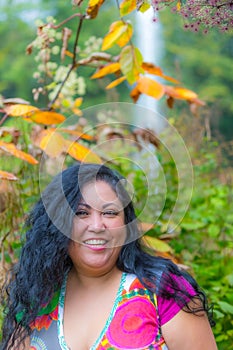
[{"x": 189, "y": 332}]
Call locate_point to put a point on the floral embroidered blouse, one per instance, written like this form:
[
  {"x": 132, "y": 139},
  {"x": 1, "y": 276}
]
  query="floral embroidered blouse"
[{"x": 134, "y": 322}]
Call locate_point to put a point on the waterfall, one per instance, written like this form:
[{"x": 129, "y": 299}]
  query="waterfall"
[{"x": 148, "y": 38}]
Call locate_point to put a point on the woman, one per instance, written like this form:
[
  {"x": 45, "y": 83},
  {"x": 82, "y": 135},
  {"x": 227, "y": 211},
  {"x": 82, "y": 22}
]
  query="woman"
[{"x": 84, "y": 280}]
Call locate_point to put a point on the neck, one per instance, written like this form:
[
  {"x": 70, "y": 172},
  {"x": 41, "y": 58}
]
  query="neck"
[{"x": 94, "y": 280}]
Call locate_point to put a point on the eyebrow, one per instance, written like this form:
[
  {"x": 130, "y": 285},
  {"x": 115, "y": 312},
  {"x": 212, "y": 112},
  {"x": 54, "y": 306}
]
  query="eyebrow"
[{"x": 104, "y": 206}]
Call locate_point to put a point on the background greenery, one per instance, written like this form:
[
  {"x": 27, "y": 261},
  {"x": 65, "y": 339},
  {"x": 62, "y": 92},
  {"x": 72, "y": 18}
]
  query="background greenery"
[{"x": 204, "y": 238}]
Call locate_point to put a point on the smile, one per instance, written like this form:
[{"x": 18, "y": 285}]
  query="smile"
[{"x": 95, "y": 242}]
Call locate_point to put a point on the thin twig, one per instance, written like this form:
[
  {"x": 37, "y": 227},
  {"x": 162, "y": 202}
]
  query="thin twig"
[
  {"x": 4, "y": 118},
  {"x": 4, "y": 238},
  {"x": 67, "y": 20}
]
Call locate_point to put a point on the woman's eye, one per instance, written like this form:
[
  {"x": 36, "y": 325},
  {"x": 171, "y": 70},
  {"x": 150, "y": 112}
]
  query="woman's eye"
[
  {"x": 111, "y": 213},
  {"x": 82, "y": 213}
]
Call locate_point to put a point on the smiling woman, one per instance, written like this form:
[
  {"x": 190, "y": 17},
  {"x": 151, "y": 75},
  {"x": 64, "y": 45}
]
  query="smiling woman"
[{"x": 84, "y": 280}]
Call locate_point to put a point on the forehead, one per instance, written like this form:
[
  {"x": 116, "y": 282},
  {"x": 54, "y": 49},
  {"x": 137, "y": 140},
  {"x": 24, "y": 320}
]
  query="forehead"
[{"x": 99, "y": 193}]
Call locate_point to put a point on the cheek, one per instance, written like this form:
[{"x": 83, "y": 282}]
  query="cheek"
[{"x": 77, "y": 229}]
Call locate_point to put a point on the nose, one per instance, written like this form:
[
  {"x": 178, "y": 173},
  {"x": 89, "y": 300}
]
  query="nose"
[{"x": 96, "y": 223}]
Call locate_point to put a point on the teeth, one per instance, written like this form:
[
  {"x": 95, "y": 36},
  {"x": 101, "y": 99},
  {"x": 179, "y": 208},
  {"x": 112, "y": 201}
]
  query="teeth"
[{"x": 95, "y": 241}]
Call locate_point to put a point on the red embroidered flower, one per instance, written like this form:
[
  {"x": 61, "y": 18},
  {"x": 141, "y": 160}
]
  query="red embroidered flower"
[{"x": 45, "y": 321}]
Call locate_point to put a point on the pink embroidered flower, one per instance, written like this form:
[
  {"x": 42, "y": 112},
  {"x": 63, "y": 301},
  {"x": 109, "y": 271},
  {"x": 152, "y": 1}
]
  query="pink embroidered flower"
[{"x": 134, "y": 324}]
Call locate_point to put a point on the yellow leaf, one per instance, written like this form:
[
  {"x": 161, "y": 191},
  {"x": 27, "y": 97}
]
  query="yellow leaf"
[
  {"x": 52, "y": 143},
  {"x": 19, "y": 110},
  {"x": 178, "y": 5},
  {"x": 93, "y": 2},
  {"x": 13, "y": 150},
  {"x": 115, "y": 83},
  {"x": 157, "y": 244},
  {"x": 78, "y": 101},
  {"x": 116, "y": 30},
  {"x": 47, "y": 117},
  {"x": 7, "y": 176},
  {"x": 108, "y": 69},
  {"x": 93, "y": 7},
  {"x": 127, "y": 6},
  {"x": 180, "y": 93},
  {"x": 144, "y": 7},
  {"x": 126, "y": 36},
  {"x": 78, "y": 134},
  {"x": 150, "y": 87},
  {"x": 82, "y": 153},
  {"x": 155, "y": 70},
  {"x": 131, "y": 63}
]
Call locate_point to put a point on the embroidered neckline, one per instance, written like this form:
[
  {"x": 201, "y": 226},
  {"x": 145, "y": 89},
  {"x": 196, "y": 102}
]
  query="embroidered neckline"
[{"x": 60, "y": 323}]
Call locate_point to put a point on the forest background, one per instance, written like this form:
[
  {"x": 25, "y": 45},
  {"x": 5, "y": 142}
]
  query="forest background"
[{"x": 201, "y": 61}]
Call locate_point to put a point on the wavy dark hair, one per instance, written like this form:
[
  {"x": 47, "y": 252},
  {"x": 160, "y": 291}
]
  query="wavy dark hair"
[{"x": 44, "y": 258}]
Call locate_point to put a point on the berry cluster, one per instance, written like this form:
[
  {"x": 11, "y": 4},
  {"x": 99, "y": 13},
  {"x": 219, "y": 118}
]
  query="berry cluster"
[
  {"x": 50, "y": 73},
  {"x": 201, "y": 14}
]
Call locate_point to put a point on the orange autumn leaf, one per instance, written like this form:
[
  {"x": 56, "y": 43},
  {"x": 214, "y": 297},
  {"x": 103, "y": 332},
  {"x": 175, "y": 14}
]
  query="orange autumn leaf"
[
  {"x": 7, "y": 176},
  {"x": 69, "y": 54},
  {"x": 115, "y": 83},
  {"x": 93, "y": 7},
  {"x": 150, "y": 87},
  {"x": 151, "y": 68},
  {"x": 155, "y": 70},
  {"x": 135, "y": 94},
  {"x": 51, "y": 142},
  {"x": 18, "y": 110},
  {"x": 13, "y": 150},
  {"x": 115, "y": 32},
  {"x": 82, "y": 153},
  {"x": 127, "y": 6},
  {"x": 180, "y": 93},
  {"x": 47, "y": 117},
  {"x": 108, "y": 69}
]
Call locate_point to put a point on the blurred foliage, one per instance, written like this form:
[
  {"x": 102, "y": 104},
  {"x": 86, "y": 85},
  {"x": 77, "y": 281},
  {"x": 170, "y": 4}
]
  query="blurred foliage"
[{"x": 203, "y": 240}]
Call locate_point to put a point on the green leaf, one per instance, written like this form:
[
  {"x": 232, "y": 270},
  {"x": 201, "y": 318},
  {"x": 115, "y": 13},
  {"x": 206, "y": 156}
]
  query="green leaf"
[
  {"x": 193, "y": 225},
  {"x": 218, "y": 314},
  {"x": 131, "y": 61},
  {"x": 213, "y": 230},
  {"x": 229, "y": 279},
  {"x": 226, "y": 307}
]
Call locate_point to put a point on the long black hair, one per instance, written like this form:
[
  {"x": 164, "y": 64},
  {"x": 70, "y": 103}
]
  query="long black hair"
[{"x": 44, "y": 258}]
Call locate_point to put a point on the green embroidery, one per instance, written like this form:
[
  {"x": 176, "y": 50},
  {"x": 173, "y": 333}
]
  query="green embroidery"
[{"x": 45, "y": 310}]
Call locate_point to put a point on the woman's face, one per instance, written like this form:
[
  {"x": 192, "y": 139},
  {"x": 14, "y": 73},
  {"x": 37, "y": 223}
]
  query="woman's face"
[{"x": 99, "y": 230}]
